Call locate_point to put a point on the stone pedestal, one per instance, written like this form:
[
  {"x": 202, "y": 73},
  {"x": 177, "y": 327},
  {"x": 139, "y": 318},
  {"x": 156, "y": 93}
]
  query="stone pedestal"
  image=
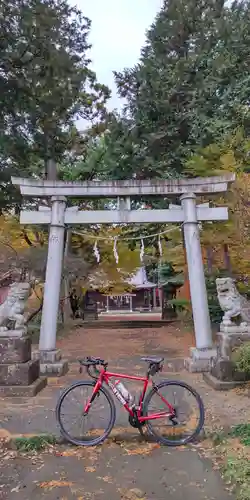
[
  {"x": 231, "y": 337},
  {"x": 200, "y": 359},
  {"x": 51, "y": 363},
  {"x": 89, "y": 315},
  {"x": 168, "y": 313},
  {"x": 19, "y": 375},
  {"x": 223, "y": 374},
  {"x": 90, "y": 312}
]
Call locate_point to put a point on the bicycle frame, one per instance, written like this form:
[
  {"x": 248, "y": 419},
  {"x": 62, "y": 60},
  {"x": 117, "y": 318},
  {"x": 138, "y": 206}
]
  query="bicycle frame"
[{"x": 105, "y": 376}]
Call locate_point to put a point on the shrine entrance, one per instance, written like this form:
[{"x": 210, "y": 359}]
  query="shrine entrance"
[
  {"x": 189, "y": 214},
  {"x": 122, "y": 302},
  {"x": 142, "y": 297}
]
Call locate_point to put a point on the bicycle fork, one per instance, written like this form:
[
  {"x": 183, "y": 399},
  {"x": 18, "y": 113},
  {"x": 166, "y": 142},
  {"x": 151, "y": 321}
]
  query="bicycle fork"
[{"x": 93, "y": 396}]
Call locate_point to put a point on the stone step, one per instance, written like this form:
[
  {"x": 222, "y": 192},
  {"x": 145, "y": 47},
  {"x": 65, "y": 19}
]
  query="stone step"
[
  {"x": 19, "y": 373},
  {"x": 23, "y": 390},
  {"x": 114, "y": 324}
]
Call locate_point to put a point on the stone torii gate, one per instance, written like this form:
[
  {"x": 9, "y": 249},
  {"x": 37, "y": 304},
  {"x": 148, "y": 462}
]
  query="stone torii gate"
[{"x": 59, "y": 216}]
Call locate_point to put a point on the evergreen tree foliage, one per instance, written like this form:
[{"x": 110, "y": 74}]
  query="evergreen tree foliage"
[
  {"x": 46, "y": 84},
  {"x": 191, "y": 85}
]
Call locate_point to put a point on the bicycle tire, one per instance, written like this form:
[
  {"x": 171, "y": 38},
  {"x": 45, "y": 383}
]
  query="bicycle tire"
[
  {"x": 201, "y": 419},
  {"x": 80, "y": 442}
]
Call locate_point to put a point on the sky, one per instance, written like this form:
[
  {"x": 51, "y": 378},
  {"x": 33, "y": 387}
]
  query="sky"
[{"x": 117, "y": 35}]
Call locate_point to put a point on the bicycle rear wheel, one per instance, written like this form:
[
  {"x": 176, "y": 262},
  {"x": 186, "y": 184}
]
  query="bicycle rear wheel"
[
  {"x": 93, "y": 428},
  {"x": 185, "y": 400}
]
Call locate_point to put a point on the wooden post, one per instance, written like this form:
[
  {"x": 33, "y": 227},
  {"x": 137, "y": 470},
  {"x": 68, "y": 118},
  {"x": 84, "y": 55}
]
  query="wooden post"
[{"x": 131, "y": 303}]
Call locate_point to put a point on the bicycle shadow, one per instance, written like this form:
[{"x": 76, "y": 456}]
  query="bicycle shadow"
[{"x": 125, "y": 436}]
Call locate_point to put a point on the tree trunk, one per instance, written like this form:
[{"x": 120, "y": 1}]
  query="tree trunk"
[
  {"x": 50, "y": 170},
  {"x": 209, "y": 252},
  {"x": 34, "y": 313},
  {"x": 227, "y": 260},
  {"x": 168, "y": 311}
]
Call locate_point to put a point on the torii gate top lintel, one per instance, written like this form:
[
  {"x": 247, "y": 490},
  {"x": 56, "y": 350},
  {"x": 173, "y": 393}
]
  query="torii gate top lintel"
[{"x": 132, "y": 187}]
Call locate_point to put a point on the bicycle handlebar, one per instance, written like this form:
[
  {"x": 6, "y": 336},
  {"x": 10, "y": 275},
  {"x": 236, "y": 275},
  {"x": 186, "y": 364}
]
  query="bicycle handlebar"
[{"x": 89, "y": 362}]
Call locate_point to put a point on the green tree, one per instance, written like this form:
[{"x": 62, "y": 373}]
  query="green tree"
[
  {"x": 189, "y": 90},
  {"x": 161, "y": 89},
  {"x": 111, "y": 153},
  {"x": 228, "y": 241},
  {"x": 191, "y": 85},
  {"x": 46, "y": 84}
]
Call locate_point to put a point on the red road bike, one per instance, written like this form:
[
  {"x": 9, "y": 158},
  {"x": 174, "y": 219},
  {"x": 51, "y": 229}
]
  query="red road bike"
[{"x": 172, "y": 429}]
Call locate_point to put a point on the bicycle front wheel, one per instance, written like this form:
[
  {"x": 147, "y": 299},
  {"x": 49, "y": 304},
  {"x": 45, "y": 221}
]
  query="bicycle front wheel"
[
  {"x": 85, "y": 430},
  {"x": 189, "y": 416}
]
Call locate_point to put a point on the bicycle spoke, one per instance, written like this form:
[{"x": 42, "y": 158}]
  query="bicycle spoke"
[
  {"x": 74, "y": 423},
  {"x": 183, "y": 424}
]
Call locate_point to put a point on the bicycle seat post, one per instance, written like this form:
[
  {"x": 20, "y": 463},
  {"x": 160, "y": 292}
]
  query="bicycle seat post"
[{"x": 150, "y": 370}]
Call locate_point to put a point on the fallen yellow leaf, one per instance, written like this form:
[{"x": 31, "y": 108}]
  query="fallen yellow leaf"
[
  {"x": 142, "y": 450},
  {"x": 54, "y": 484},
  {"x": 106, "y": 479}
]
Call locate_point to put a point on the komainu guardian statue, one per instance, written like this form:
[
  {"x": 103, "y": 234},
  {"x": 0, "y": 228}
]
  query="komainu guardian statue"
[
  {"x": 232, "y": 303},
  {"x": 12, "y": 310}
]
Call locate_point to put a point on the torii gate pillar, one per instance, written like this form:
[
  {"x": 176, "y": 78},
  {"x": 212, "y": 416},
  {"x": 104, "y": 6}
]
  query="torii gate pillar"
[
  {"x": 203, "y": 352},
  {"x": 50, "y": 357}
]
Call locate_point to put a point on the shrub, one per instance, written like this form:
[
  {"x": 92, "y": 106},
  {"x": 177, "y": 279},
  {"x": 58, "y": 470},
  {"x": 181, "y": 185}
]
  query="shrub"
[
  {"x": 34, "y": 443},
  {"x": 215, "y": 311},
  {"x": 241, "y": 358}
]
